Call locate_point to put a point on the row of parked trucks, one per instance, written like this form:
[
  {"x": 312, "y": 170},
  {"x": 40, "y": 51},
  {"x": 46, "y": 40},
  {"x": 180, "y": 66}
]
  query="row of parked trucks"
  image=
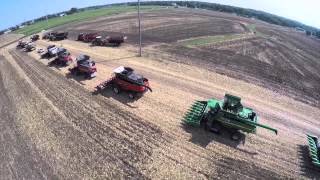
[
  {"x": 94, "y": 38},
  {"x": 213, "y": 115},
  {"x": 98, "y": 40}
]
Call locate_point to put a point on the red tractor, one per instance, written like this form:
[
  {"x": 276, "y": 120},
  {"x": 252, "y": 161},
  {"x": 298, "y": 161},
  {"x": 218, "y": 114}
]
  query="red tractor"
[
  {"x": 87, "y": 37},
  {"x": 85, "y": 66},
  {"x": 125, "y": 79}
]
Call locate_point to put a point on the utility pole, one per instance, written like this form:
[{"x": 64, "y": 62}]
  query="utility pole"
[
  {"x": 140, "y": 35},
  {"x": 47, "y": 22}
]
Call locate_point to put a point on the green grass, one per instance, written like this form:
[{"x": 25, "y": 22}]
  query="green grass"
[
  {"x": 80, "y": 16},
  {"x": 210, "y": 40}
]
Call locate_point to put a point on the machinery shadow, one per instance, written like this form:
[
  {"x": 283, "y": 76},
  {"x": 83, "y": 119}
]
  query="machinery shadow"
[
  {"x": 122, "y": 97},
  {"x": 79, "y": 78},
  {"x": 305, "y": 162},
  {"x": 202, "y": 138},
  {"x": 250, "y": 169},
  {"x": 55, "y": 64}
]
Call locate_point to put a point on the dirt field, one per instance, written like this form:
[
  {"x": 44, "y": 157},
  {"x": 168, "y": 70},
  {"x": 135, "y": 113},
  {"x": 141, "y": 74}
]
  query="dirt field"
[
  {"x": 6, "y": 39},
  {"x": 274, "y": 57},
  {"x": 60, "y": 129}
]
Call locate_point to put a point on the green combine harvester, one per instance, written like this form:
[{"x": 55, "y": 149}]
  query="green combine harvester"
[
  {"x": 228, "y": 113},
  {"x": 314, "y": 149}
]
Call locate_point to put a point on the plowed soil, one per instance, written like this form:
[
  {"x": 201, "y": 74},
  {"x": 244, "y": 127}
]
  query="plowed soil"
[{"x": 59, "y": 128}]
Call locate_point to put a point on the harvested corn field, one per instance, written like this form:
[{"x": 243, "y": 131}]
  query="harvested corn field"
[{"x": 66, "y": 131}]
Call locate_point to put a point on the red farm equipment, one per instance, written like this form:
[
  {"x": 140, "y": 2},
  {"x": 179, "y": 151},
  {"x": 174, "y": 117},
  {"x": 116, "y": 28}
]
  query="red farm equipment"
[
  {"x": 87, "y": 37},
  {"x": 125, "y": 79},
  {"x": 64, "y": 58},
  {"x": 85, "y": 66}
]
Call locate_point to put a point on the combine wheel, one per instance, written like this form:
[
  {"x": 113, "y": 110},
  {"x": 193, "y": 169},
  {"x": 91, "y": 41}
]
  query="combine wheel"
[
  {"x": 131, "y": 95},
  {"x": 116, "y": 89},
  {"x": 236, "y": 135},
  {"x": 214, "y": 126}
]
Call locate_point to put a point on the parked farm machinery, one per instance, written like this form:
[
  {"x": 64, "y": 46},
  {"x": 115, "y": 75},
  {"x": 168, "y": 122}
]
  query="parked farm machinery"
[
  {"x": 52, "y": 51},
  {"x": 87, "y": 37},
  {"x": 111, "y": 41},
  {"x": 56, "y": 36},
  {"x": 34, "y": 37},
  {"x": 228, "y": 113},
  {"x": 63, "y": 58},
  {"x": 30, "y": 47},
  {"x": 26, "y": 45},
  {"x": 314, "y": 149},
  {"x": 125, "y": 79},
  {"x": 84, "y": 66},
  {"x": 22, "y": 44}
]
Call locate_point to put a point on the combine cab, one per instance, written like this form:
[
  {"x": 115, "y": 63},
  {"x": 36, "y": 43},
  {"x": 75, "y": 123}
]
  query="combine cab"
[
  {"x": 229, "y": 113},
  {"x": 125, "y": 79},
  {"x": 314, "y": 149}
]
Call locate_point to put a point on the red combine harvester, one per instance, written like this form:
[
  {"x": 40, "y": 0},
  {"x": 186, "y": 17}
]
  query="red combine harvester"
[
  {"x": 64, "y": 58},
  {"x": 87, "y": 37},
  {"x": 125, "y": 79},
  {"x": 85, "y": 66}
]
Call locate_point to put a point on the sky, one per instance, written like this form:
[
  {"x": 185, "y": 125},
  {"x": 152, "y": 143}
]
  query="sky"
[{"x": 13, "y": 12}]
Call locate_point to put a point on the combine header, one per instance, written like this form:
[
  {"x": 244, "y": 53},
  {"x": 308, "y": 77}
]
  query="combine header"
[
  {"x": 314, "y": 149},
  {"x": 229, "y": 113}
]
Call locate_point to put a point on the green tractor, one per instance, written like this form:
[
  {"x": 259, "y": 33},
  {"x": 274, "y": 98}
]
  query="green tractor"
[
  {"x": 228, "y": 113},
  {"x": 314, "y": 149}
]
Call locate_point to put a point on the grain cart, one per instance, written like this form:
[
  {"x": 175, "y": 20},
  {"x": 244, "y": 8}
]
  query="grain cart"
[
  {"x": 58, "y": 36},
  {"x": 87, "y": 37},
  {"x": 228, "y": 113},
  {"x": 116, "y": 40},
  {"x": 111, "y": 41},
  {"x": 314, "y": 149}
]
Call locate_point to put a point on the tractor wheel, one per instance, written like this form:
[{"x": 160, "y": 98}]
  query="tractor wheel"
[
  {"x": 116, "y": 89},
  {"x": 236, "y": 136},
  {"x": 131, "y": 96}
]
